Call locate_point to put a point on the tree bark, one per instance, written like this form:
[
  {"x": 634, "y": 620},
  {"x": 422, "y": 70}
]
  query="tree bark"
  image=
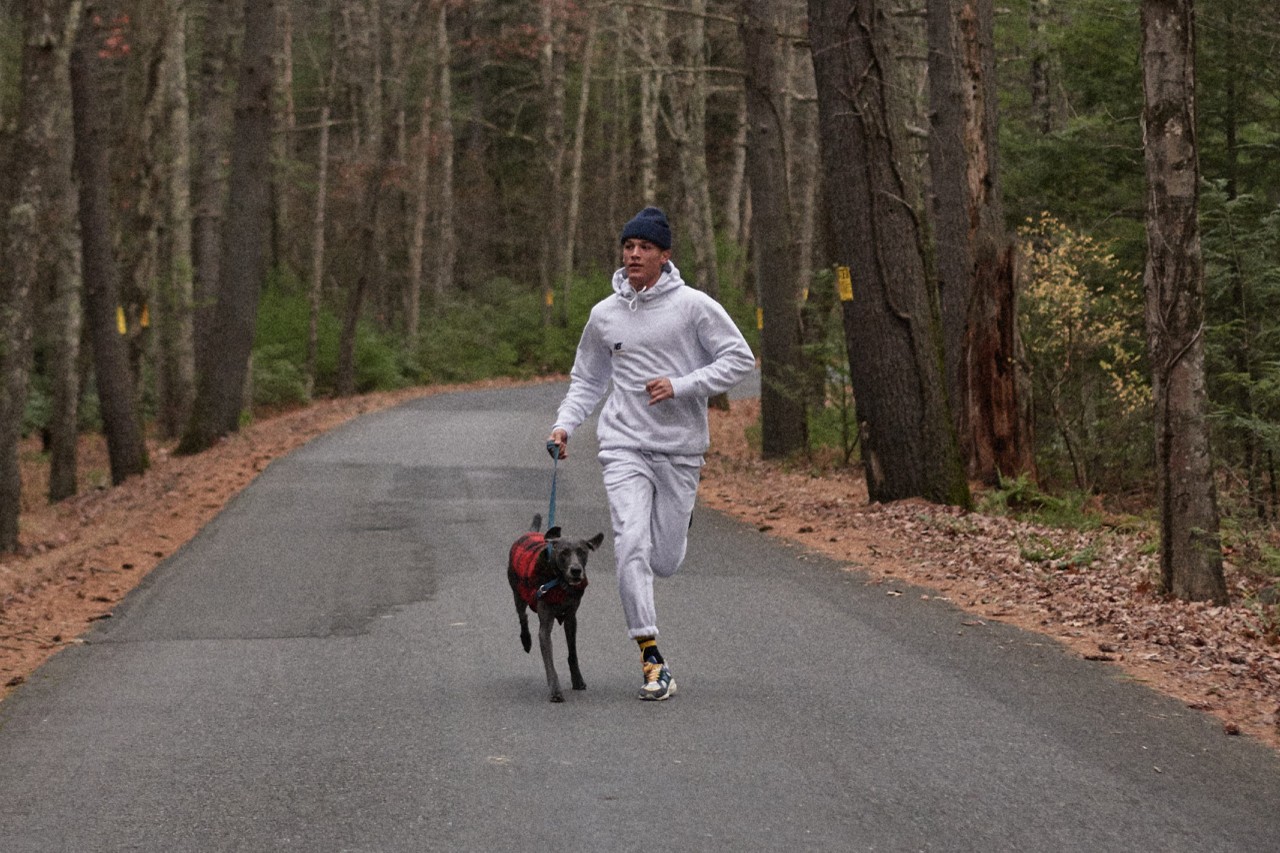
[
  {"x": 1190, "y": 548},
  {"x": 211, "y": 117},
  {"x": 364, "y": 38},
  {"x": 63, "y": 317},
  {"x": 974, "y": 255},
  {"x": 174, "y": 321},
  {"x": 316, "y": 287},
  {"x": 783, "y": 389},
  {"x": 126, "y": 446},
  {"x": 31, "y": 226},
  {"x": 446, "y": 231},
  {"x": 552, "y": 68},
  {"x": 574, "y": 208},
  {"x": 651, "y": 47},
  {"x": 687, "y": 94},
  {"x": 891, "y": 327},
  {"x": 220, "y": 394},
  {"x": 1041, "y": 102}
]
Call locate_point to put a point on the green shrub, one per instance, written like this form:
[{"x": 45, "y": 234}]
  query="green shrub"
[{"x": 277, "y": 381}]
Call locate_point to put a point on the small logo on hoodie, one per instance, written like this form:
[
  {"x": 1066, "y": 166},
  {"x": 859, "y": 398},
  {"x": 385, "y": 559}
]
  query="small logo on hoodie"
[{"x": 617, "y": 347}]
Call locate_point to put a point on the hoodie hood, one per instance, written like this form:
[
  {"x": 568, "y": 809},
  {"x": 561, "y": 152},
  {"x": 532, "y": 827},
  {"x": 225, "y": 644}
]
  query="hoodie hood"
[{"x": 668, "y": 281}]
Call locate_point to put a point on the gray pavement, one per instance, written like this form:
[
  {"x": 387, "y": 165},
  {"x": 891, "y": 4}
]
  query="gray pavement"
[{"x": 333, "y": 664}]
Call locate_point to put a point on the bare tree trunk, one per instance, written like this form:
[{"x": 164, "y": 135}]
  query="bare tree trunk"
[
  {"x": 364, "y": 29},
  {"x": 737, "y": 216},
  {"x": 891, "y": 328},
  {"x": 734, "y": 194},
  {"x": 687, "y": 95},
  {"x": 316, "y": 288},
  {"x": 211, "y": 119},
  {"x": 553, "y": 146},
  {"x": 283, "y": 144},
  {"x": 174, "y": 321},
  {"x": 1041, "y": 102},
  {"x": 220, "y": 393},
  {"x": 65, "y": 320},
  {"x": 447, "y": 236},
  {"x": 30, "y": 226},
  {"x": 974, "y": 255},
  {"x": 802, "y": 147},
  {"x": 421, "y": 213},
  {"x": 651, "y": 29},
  {"x": 63, "y": 316},
  {"x": 126, "y": 446},
  {"x": 573, "y": 212},
  {"x": 783, "y": 389},
  {"x": 1190, "y": 548}
]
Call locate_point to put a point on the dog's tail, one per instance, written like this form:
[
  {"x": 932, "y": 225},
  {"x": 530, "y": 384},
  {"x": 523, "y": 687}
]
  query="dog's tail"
[{"x": 537, "y": 522}]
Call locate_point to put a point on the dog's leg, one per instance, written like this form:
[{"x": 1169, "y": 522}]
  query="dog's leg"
[
  {"x": 546, "y": 621},
  {"x": 523, "y": 615},
  {"x": 571, "y": 640}
]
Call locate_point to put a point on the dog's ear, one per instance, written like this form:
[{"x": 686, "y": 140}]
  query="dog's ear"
[
  {"x": 552, "y": 533},
  {"x": 594, "y": 542}
]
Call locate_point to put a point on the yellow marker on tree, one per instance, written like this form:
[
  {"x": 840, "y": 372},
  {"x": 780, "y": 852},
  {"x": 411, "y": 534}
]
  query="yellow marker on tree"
[
  {"x": 121, "y": 326},
  {"x": 844, "y": 281}
]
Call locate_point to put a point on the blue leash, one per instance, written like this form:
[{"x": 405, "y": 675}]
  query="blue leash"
[
  {"x": 551, "y": 513},
  {"x": 555, "y": 466}
]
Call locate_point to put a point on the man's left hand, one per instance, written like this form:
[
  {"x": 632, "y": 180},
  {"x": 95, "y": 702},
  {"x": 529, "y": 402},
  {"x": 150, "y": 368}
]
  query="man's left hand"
[{"x": 659, "y": 390}]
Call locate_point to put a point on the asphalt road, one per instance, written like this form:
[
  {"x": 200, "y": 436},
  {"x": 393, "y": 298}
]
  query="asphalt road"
[{"x": 333, "y": 665}]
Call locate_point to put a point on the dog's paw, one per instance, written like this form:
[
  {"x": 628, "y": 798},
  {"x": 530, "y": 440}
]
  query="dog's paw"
[
  {"x": 581, "y": 685},
  {"x": 556, "y": 697},
  {"x": 527, "y": 642}
]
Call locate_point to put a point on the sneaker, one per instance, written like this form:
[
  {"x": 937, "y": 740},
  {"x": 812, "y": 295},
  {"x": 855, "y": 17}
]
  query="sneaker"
[{"x": 658, "y": 683}]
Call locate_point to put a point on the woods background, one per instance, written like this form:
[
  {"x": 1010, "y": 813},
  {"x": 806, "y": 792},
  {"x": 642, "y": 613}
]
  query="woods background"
[{"x": 934, "y": 219}]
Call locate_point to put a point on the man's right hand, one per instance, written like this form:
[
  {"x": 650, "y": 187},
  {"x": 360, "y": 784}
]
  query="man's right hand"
[{"x": 560, "y": 439}]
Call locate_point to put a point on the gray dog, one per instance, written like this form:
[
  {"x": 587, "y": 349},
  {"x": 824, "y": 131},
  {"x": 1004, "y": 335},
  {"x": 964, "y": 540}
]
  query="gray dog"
[{"x": 549, "y": 574}]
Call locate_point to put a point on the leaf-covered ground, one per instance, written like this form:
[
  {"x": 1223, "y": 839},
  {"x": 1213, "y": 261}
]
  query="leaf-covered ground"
[{"x": 1093, "y": 593}]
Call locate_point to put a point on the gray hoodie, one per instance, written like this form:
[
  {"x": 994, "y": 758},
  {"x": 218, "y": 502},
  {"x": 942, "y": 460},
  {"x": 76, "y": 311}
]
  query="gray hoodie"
[{"x": 667, "y": 330}]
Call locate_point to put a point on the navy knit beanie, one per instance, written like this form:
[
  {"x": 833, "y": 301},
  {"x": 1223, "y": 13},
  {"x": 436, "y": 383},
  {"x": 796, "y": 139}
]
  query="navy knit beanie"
[{"x": 649, "y": 224}]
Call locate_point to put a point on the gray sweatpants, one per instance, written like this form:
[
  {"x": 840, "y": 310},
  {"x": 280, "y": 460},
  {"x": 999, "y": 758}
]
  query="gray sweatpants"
[{"x": 651, "y": 497}]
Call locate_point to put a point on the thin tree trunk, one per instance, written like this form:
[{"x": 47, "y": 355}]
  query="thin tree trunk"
[
  {"x": 1041, "y": 102},
  {"x": 687, "y": 95},
  {"x": 447, "y": 236},
  {"x": 1190, "y": 548},
  {"x": 652, "y": 47},
  {"x": 65, "y": 320},
  {"x": 783, "y": 389},
  {"x": 126, "y": 446},
  {"x": 364, "y": 37},
  {"x": 421, "y": 213},
  {"x": 220, "y": 394},
  {"x": 553, "y": 147},
  {"x": 211, "y": 117},
  {"x": 63, "y": 317},
  {"x": 734, "y": 194},
  {"x": 32, "y": 194},
  {"x": 283, "y": 144},
  {"x": 174, "y": 321},
  {"x": 316, "y": 288},
  {"x": 573, "y": 212}
]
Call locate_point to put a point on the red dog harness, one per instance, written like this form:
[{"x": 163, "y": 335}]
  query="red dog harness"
[{"x": 529, "y": 584}]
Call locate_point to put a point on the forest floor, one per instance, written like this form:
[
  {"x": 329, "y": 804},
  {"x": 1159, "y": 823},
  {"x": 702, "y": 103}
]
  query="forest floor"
[{"x": 1092, "y": 592}]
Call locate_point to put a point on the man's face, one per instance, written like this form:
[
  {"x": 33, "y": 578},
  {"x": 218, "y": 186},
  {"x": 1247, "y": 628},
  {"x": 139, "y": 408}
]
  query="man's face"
[{"x": 643, "y": 261}]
